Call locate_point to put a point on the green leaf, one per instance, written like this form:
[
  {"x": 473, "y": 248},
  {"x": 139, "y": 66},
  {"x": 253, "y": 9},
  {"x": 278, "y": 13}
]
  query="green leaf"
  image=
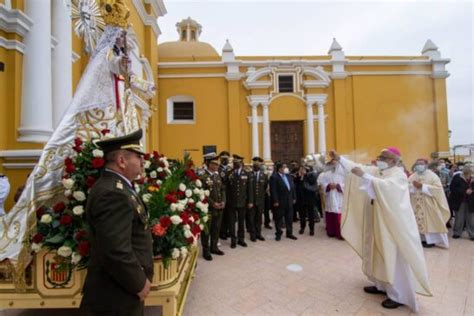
[{"x": 56, "y": 239}]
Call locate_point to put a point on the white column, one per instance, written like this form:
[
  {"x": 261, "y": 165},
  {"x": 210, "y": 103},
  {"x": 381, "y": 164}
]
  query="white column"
[
  {"x": 255, "y": 145},
  {"x": 309, "y": 128},
  {"x": 62, "y": 60},
  {"x": 267, "y": 154},
  {"x": 322, "y": 128},
  {"x": 36, "y": 110}
]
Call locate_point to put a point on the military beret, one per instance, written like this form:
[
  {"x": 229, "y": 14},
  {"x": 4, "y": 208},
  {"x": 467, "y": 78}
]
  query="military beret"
[
  {"x": 237, "y": 158},
  {"x": 129, "y": 142}
]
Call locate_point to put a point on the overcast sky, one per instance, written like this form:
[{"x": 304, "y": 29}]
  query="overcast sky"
[{"x": 362, "y": 28}]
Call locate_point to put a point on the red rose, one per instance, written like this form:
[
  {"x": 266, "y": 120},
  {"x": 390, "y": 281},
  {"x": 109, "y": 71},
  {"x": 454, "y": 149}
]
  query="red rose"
[
  {"x": 190, "y": 240},
  {"x": 77, "y": 149},
  {"x": 105, "y": 131},
  {"x": 165, "y": 221},
  {"x": 185, "y": 217},
  {"x": 77, "y": 141},
  {"x": 40, "y": 212},
  {"x": 70, "y": 168},
  {"x": 146, "y": 156},
  {"x": 190, "y": 163},
  {"x": 190, "y": 206},
  {"x": 83, "y": 248},
  {"x": 191, "y": 174},
  {"x": 98, "y": 163},
  {"x": 171, "y": 198},
  {"x": 156, "y": 155},
  {"x": 181, "y": 194},
  {"x": 196, "y": 217},
  {"x": 158, "y": 230},
  {"x": 196, "y": 230},
  {"x": 68, "y": 161},
  {"x": 80, "y": 234},
  {"x": 59, "y": 207},
  {"x": 37, "y": 238},
  {"x": 90, "y": 180},
  {"x": 65, "y": 220}
]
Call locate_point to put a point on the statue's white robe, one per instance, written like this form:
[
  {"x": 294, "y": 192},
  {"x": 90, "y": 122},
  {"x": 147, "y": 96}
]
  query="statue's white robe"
[{"x": 379, "y": 223}]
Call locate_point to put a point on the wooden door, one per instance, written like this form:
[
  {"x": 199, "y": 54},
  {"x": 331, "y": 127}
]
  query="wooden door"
[{"x": 287, "y": 141}]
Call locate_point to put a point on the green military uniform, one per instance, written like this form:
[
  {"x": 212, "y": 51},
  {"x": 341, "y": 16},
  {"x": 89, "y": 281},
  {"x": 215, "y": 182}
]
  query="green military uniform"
[
  {"x": 254, "y": 215},
  {"x": 224, "y": 172},
  {"x": 121, "y": 253},
  {"x": 239, "y": 196},
  {"x": 217, "y": 195}
]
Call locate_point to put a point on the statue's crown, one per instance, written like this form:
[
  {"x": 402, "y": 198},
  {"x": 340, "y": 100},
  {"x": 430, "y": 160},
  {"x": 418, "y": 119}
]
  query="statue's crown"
[{"x": 114, "y": 12}]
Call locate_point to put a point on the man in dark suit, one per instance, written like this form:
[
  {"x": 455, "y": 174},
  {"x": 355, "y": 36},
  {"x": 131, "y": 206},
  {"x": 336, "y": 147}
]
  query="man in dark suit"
[
  {"x": 254, "y": 215},
  {"x": 283, "y": 196},
  {"x": 239, "y": 199},
  {"x": 224, "y": 169},
  {"x": 121, "y": 268}
]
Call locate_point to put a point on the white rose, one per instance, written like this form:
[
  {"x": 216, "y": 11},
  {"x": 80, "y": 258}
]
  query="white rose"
[
  {"x": 187, "y": 234},
  {"x": 190, "y": 200},
  {"x": 68, "y": 183},
  {"x": 175, "y": 219},
  {"x": 198, "y": 221},
  {"x": 180, "y": 207},
  {"x": 75, "y": 258},
  {"x": 153, "y": 174},
  {"x": 199, "y": 205},
  {"x": 207, "y": 193},
  {"x": 184, "y": 251},
  {"x": 198, "y": 183},
  {"x": 175, "y": 253},
  {"x": 97, "y": 153},
  {"x": 205, "y": 211},
  {"x": 183, "y": 201},
  {"x": 67, "y": 193},
  {"x": 189, "y": 193},
  {"x": 159, "y": 182},
  {"x": 46, "y": 219},
  {"x": 36, "y": 247},
  {"x": 196, "y": 191},
  {"x": 202, "y": 197},
  {"x": 79, "y": 195},
  {"x": 191, "y": 219},
  {"x": 64, "y": 251},
  {"x": 186, "y": 227},
  {"x": 137, "y": 188},
  {"x": 147, "y": 164},
  {"x": 146, "y": 197},
  {"x": 159, "y": 169},
  {"x": 173, "y": 207},
  {"x": 182, "y": 187},
  {"x": 201, "y": 226},
  {"x": 204, "y": 219},
  {"x": 78, "y": 210}
]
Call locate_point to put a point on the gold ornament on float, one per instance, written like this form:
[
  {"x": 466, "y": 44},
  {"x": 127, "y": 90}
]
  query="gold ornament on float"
[{"x": 114, "y": 12}]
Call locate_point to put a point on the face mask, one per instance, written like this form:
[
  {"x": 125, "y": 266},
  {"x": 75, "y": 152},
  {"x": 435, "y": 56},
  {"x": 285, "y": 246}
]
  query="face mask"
[
  {"x": 442, "y": 166},
  {"x": 382, "y": 165},
  {"x": 286, "y": 171},
  {"x": 256, "y": 168},
  {"x": 224, "y": 162},
  {"x": 420, "y": 168}
]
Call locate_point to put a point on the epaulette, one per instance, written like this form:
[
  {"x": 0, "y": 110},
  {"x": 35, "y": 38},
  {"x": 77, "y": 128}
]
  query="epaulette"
[{"x": 119, "y": 185}]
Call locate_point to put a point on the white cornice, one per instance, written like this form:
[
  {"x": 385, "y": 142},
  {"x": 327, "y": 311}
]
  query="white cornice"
[
  {"x": 389, "y": 73},
  {"x": 388, "y": 62},
  {"x": 15, "y": 21},
  {"x": 192, "y": 64},
  {"x": 315, "y": 84},
  {"x": 175, "y": 76},
  {"x": 234, "y": 76},
  {"x": 258, "y": 85},
  {"x": 21, "y": 154},
  {"x": 147, "y": 19},
  {"x": 158, "y": 7},
  {"x": 19, "y": 165},
  {"x": 12, "y": 45}
]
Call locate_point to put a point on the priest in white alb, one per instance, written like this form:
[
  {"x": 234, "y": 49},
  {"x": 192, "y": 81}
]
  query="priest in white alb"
[
  {"x": 430, "y": 205},
  {"x": 379, "y": 223}
]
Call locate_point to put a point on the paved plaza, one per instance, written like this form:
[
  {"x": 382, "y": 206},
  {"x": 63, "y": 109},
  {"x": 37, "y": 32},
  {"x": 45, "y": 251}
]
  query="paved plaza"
[{"x": 310, "y": 276}]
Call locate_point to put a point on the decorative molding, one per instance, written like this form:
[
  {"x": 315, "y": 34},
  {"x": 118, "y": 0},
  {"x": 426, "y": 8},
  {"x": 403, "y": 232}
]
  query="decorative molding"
[
  {"x": 316, "y": 117},
  {"x": 21, "y": 154},
  {"x": 19, "y": 165},
  {"x": 339, "y": 75},
  {"x": 233, "y": 76},
  {"x": 316, "y": 98},
  {"x": 173, "y": 76},
  {"x": 259, "y": 119},
  {"x": 258, "y": 85},
  {"x": 75, "y": 56},
  {"x": 388, "y": 62},
  {"x": 12, "y": 45},
  {"x": 158, "y": 7},
  {"x": 192, "y": 64},
  {"x": 147, "y": 19},
  {"x": 147, "y": 68},
  {"x": 390, "y": 73},
  {"x": 258, "y": 99},
  {"x": 14, "y": 21},
  {"x": 169, "y": 109}
]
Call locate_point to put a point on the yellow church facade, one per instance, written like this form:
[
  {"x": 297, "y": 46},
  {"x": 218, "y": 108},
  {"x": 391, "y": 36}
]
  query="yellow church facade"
[{"x": 285, "y": 107}]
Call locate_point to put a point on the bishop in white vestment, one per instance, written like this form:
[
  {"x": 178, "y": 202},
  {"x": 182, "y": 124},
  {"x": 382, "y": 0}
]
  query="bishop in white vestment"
[
  {"x": 379, "y": 223},
  {"x": 430, "y": 205}
]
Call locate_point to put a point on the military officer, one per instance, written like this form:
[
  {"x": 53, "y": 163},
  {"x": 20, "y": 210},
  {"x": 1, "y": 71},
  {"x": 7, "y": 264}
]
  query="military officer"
[
  {"x": 212, "y": 181},
  {"x": 121, "y": 264},
  {"x": 239, "y": 199},
  {"x": 260, "y": 184},
  {"x": 224, "y": 169}
]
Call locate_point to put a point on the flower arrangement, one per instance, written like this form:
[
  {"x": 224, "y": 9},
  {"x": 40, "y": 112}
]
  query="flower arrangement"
[
  {"x": 62, "y": 226},
  {"x": 177, "y": 204}
]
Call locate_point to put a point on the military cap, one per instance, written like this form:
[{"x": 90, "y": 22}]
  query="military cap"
[
  {"x": 129, "y": 142},
  {"x": 237, "y": 158},
  {"x": 257, "y": 160},
  {"x": 214, "y": 160},
  {"x": 224, "y": 154},
  {"x": 209, "y": 156}
]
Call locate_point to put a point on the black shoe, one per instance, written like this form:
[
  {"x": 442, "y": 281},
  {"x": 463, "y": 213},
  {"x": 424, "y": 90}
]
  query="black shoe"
[
  {"x": 456, "y": 236},
  {"x": 448, "y": 225},
  {"x": 242, "y": 243},
  {"x": 268, "y": 226},
  {"x": 277, "y": 238},
  {"x": 373, "y": 290},
  {"x": 217, "y": 252},
  {"x": 317, "y": 220},
  {"x": 260, "y": 238},
  {"x": 388, "y": 303},
  {"x": 207, "y": 256},
  {"x": 311, "y": 232},
  {"x": 233, "y": 244},
  {"x": 296, "y": 220},
  {"x": 253, "y": 239},
  {"x": 426, "y": 245},
  {"x": 292, "y": 237},
  {"x": 223, "y": 237},
  {"x": 472, "y": 238},
  {"x": 301, "y": 231}
]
